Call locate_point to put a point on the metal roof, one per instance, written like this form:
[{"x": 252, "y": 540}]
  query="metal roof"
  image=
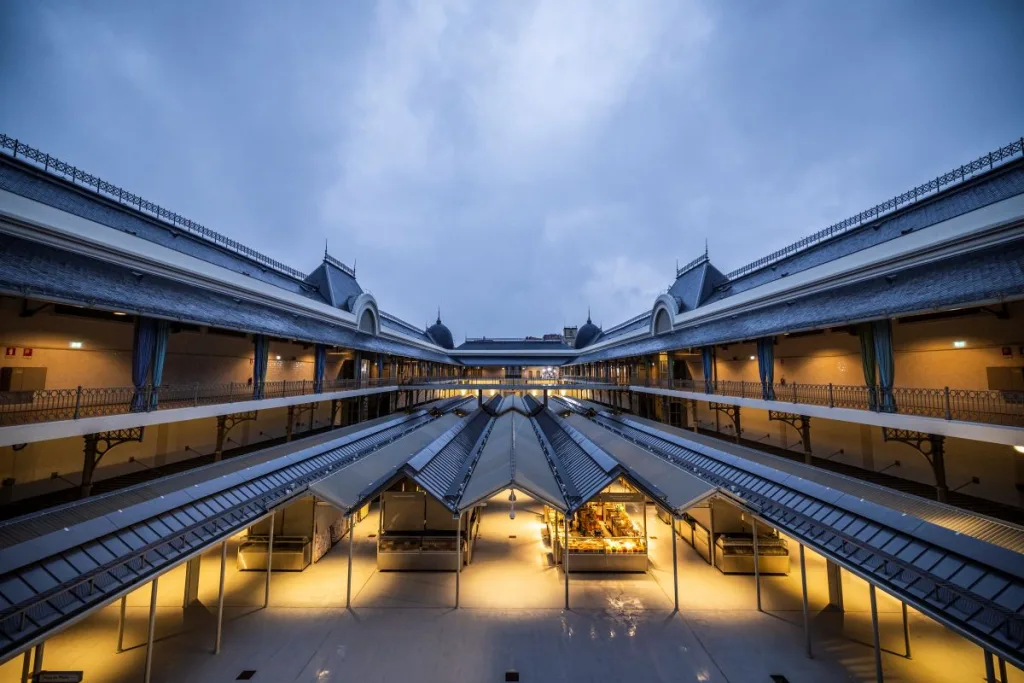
[
  {"x": 512, "y": 458},
  {"x": 38, "y": 271},
  {"x": 50, "y": 580},
  {"x": 971, "y": 586},
  {"x": 444, "y": 467},
  {"x": 994, "y": 531},
  {"x": 186, "y": 237},
  {"x": 992, "y": 274},
  {"x": 580, "y": 467},
  {"x": 485, "y": 344},
  {"x": 671, "y": 486},
  {"x": 350, "y": 487},
  {"x": 914, "y": 209}
]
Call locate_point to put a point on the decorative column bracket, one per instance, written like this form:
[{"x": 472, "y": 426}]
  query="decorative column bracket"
[
  {"x": 801, "y": 423},
  {"x": 931, "y": 446},
  {"x": 730, "y": 411},
  {"x": 97, "y": 445},
  {"x": 225, "y": 423}
]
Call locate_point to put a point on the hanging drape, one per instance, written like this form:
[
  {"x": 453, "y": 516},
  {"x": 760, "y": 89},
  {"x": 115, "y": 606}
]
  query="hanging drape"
[
  {"x": 886, "y": 366},
  {"x": 867, "y": 359},
  {"x": 159, "y": 356},
  {"x": 142, "y": 359},
  {"x": 261, "y": 356},
  {"x": 766, "y": 367},
  {"x": 319, "y": 367},
  {"x": 709, "y": 363}
]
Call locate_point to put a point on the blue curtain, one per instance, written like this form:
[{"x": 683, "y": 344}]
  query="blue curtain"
[
  {"x": 867, "y": 359},
  {"x": 319, "y": 367},
  {"x": 142, "y": 357},
  {"x": 766, "y": 367},
  {"x": 709, "y": 365},
  {"x": 159, "y": 355},
  {"x": 261, "y": 346},
  {"x": 886, "y": 367}
]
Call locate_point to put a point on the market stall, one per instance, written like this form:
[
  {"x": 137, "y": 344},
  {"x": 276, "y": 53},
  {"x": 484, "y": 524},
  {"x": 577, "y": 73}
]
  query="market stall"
[
  {"x": 608, "y": 534},
  {"x": 418, "y": 533}
]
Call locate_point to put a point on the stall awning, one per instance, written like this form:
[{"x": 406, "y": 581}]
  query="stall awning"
[
  {"x": 672, "y": 487},
  {"x": 526, "y": 470},
  {"x": 353, "y": 486}
]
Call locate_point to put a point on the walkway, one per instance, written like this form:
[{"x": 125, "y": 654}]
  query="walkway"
[{"x": 402, "y": 626}]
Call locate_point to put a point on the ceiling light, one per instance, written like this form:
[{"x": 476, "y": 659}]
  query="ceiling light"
[
  {"x": 753, "y": 358},
  {"x": 119, "y": 313},
  {"x": 277, "y": 357},
  {"x": 959, "y": 344},
  {"x": 1019, "y": 449},
  {"x": 76, "y": 344}
]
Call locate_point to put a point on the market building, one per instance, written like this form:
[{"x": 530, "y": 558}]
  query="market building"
[{"x": 190, "y": 429}]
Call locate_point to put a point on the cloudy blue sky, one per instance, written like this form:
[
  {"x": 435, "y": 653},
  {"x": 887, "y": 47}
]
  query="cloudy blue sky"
[{"x": 517, "y": 161}]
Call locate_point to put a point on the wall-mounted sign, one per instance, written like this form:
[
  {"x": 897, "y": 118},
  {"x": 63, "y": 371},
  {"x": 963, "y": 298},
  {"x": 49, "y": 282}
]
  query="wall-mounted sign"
[
  {"x": 58, "y": 677},
  {"x": 11, "y": 351},
  {"x": 27, "y": 353}
]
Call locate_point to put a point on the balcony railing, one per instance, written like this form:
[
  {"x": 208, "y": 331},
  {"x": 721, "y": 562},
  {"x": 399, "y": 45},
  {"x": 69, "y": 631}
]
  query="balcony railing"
[
  {"x": 49, "y": 405},
  {"x": 968, "y": 405},
  {"x": 505, "y": 381}
]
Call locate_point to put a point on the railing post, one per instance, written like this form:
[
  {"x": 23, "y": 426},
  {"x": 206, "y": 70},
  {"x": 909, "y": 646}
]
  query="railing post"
[
  {"x": 794, "y": 392},
  {"x": 831, "y": 399},
  {"x": 303, "y": 387},
  {"x": 78, "y": 401},
  {"x": 743, "y": 389},
  {"x": 195, "y": 395},
  {"x": 949, "y": 411}
]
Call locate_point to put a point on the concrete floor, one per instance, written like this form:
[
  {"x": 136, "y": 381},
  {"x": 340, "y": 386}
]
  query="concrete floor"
[{"x": 402, "y": 626}]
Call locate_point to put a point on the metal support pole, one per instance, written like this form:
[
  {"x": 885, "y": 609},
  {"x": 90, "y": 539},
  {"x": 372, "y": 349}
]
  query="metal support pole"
[
  {"x": 270, "y": 560},
  {"x": 757, "y": 569},
  {"x": 458, "y": 559},
  {"x": 1002, "y": 671},
  {"x": 152, "y": 630},
  {"x": 26, "y": 663},
  {"x": 675, "y": 562},
  {"x": 120, "y": 624},
  {"x": 906, "y": 630},
  {"x": 874, "y": 627},
  {"x": 711, "y": 533},
  {"x": 565, "y": 561},
  {"x": 351, "y": 541},
  {"x": 37, "y": 662},
  {"x": 807, "y": 617},
  {"x": 220, "y": 596},
  {"x": 990, "y": 669}
]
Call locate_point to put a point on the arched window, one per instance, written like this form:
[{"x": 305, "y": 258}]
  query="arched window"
[
  {"x": 662, "y": 322},
  {"x": 366, "y": 322}
]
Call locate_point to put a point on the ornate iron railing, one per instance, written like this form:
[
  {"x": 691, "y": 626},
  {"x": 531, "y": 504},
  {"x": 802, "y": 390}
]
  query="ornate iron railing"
[
  {"x": 50, "y": 405},
  {"x": 341, "y": 266},
  {"x": 968, "y": 405},
  {"x": 504, "y": 382},
  {"x": 631, "y": 321},
  {"x": 703, "y": 258},
  {"x": 957, "y": 175},
  {"x": 52, "y": 164}
]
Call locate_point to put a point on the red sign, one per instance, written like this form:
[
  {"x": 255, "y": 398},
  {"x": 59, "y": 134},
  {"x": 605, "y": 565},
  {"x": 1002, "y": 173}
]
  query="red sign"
[
  {"x": 27, "y": 353},
  {"x": 11, "y": 351}
]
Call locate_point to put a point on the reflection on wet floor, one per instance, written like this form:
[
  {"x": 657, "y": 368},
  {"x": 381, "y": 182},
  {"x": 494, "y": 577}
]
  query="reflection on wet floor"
[{"x": 403, "y": 627}]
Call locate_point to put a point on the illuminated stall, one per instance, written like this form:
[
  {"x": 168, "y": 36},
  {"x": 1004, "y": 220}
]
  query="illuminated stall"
[{"x": 607, "y": 534}]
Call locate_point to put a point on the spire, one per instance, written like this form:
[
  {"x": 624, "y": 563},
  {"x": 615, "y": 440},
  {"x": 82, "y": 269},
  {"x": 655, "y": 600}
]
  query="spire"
[
  {"x": 325, "y": 249},
  {"x": 438, "y": 315},
  {"x": 705, "y": 247},
  {"x": 588, "y": 315}
]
